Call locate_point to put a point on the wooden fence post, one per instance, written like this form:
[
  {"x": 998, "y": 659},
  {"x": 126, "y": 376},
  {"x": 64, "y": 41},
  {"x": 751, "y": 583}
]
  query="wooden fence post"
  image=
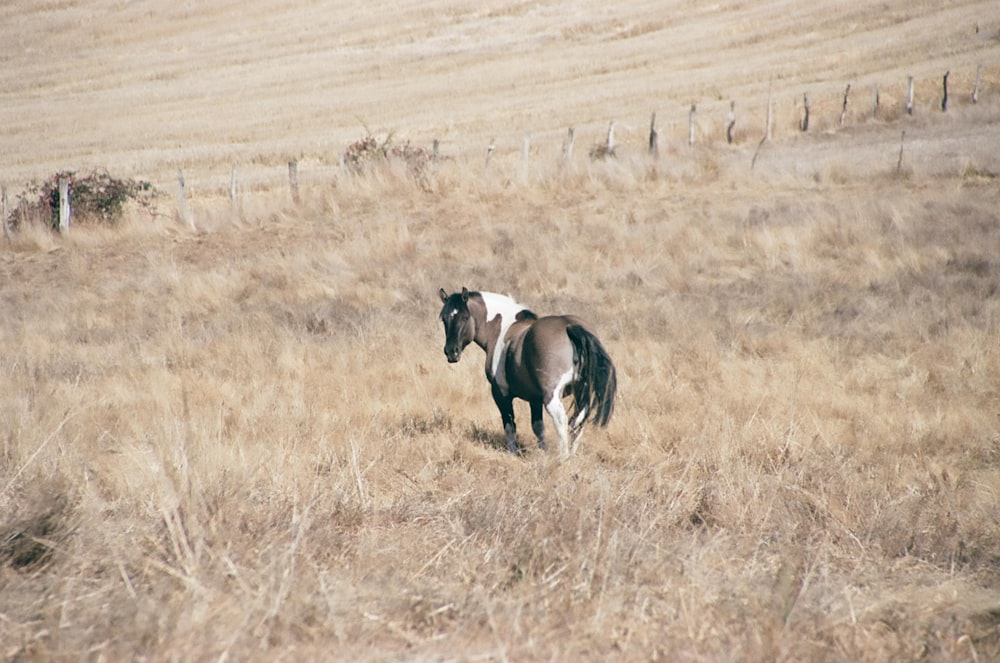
[
  {"x": 909, "y": 95},
  {"x": 875, "y": 102},
  {"x": 489, "y": 152},
  {"x": 64, "y": 210},
  {"x": 182, "y": 208},
  {"x": 731, "y": 122},
  {"x": 767, "y": 128},
  {"x": 234, "y": 193},
  {"x": 654, "y": 141},
  {"x": 293, "y": 180},
  {"x": 570, "y": 139},
  {"x": 944, "y": 96},
  {"x": 843, "y": 109},
  {"x": 975, "y": 87},
  {"x": 691, "y": 118},
  {"x": 804, "y": 125}
]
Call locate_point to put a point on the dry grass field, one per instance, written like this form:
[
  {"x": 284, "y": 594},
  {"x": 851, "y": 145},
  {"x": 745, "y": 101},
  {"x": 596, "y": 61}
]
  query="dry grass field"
[{"x": 242, "y": 441}]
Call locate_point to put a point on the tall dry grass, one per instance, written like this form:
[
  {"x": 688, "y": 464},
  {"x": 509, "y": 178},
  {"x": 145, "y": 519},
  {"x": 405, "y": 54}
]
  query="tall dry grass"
[{"x": 245, "y": 443}]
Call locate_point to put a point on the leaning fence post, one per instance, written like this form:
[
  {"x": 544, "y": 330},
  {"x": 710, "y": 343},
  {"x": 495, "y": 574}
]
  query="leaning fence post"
[
  {"x": 654, "y": 146},
  {"x": 691, "y": 118},
  {"x": 182, "y": 209},
  {"x": 975, "y": 87},
  {"x": 64, "y": 210},
  {"x": 609, "y": 145},
  {"x": 489, "y": 152},
  {"x": 909, "y": 95},
  {"x": 293, "y": 180},
  {"x": 731, "y": 121},
  {"x": 944, "y": 88},
  {"x": 804, "y": 125},
  {"x": 843, "y": 109},
  {"x": 234, "y": 193},
  {"x": 767, "y": 128}
]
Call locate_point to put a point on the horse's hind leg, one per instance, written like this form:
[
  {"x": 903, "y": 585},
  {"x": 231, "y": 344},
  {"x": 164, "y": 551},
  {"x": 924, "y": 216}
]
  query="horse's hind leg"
[
  {"x": 537, "y": 423},
  {"x": 561, "y": 420}
]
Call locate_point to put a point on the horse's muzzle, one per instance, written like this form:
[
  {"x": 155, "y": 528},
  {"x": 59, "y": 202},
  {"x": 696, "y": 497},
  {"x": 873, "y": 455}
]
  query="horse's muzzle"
[{"x": 453, "y": 351}]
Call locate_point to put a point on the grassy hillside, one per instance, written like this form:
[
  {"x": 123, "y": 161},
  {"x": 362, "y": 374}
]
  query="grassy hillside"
[
  {"x": 244, "y": 442},
  {"x": 150, "y": 86}
]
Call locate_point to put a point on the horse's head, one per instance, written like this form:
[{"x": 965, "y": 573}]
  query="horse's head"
[{"x": 459, "y": 325}]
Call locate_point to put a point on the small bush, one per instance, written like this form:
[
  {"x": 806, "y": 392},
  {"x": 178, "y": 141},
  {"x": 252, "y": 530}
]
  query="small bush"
[
  {"x": 362, "y": 154},
  {"x": 368, "y": 153},
  {"x": 96, "y": 197},
  {"x": 601, "y": 151}
]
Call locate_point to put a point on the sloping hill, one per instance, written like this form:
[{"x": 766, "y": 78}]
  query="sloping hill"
[{"x": 152, "y": 85}]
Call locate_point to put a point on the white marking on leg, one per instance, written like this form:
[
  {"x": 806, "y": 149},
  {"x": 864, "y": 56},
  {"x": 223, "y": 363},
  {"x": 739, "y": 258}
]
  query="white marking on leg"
[{"x": 558, "y": 413}]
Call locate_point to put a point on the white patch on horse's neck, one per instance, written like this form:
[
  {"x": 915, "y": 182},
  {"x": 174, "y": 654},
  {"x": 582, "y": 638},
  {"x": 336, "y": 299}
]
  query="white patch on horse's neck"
[
  {"x": 507, "y": 309},
  {"x": 500, "y": 305}
]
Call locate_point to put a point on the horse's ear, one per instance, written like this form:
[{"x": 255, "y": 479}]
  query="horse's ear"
[
  {"x": 443, "y": 295},
  {"x": 465, "y": 294}
]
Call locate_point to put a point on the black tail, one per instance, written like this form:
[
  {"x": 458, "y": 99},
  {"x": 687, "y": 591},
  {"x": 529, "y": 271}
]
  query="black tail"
[{"x": 597, "y": 381}]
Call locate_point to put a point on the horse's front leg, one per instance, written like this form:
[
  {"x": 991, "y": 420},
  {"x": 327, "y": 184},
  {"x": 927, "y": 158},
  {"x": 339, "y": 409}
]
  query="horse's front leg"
[
  {"x": 506, "y": 406},
  {"x": 537, "y": 423}
]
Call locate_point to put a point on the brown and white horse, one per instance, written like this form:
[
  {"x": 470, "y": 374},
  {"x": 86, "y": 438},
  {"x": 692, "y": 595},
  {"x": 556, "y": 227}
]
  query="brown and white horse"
[{"x": 540, "y": 360}]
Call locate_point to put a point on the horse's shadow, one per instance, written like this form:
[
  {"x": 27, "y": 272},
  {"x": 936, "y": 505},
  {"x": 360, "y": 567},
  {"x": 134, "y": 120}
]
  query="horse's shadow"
[{"x": 493, "y": 439}]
